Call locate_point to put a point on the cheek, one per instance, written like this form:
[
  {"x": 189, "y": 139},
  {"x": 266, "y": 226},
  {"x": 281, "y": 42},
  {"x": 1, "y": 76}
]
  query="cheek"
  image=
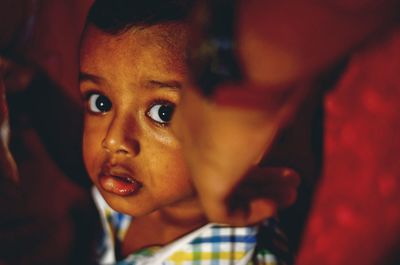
[
  {"x": 182, "y": 176},
  {"x": 175, "y": 181}
]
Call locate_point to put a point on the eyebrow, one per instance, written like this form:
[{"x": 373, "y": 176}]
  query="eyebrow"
[
  {"x": 171, "y": 84},
  {"x": 90, "y": 77}
]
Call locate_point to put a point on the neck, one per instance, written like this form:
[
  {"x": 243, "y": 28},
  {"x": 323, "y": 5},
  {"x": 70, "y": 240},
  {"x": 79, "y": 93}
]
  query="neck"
[
  {"x": 163, "y": 226},
  {"x": 189, "y": 213}
]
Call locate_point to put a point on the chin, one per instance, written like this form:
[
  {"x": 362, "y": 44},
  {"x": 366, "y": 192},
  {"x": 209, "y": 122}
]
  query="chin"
[{"x": 129, "y": 206}]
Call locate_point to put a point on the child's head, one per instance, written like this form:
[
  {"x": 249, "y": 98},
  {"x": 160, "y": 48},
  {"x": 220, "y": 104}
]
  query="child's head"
[{"x": 132, "y": 66}]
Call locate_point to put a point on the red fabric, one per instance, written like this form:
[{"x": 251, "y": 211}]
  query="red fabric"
[{"x": 356, "y": 215}]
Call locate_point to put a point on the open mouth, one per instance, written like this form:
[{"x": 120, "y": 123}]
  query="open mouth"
[{"x": 119, "y": 184}]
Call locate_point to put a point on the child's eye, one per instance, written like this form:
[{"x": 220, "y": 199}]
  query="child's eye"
[
  {"x": 161, "y": 113},
  {"x": 99, "y": 103}
]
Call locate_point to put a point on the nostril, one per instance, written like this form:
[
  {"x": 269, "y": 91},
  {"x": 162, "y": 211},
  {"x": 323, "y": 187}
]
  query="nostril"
[
  {"x": 136, "y": 147},
  {"x": 121, "y": 151}
]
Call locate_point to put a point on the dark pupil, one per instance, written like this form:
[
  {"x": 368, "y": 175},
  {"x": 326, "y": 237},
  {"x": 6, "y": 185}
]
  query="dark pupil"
[
  {"x": 165, "y": 112},
  {"x": 103, "y": 103}
]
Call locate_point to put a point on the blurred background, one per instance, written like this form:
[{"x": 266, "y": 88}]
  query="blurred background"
[{"x": 49, "y": 217}]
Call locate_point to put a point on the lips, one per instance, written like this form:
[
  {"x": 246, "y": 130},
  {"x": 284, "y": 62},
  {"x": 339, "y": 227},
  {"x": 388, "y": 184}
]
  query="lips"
[{"x": 118, "y": 180}]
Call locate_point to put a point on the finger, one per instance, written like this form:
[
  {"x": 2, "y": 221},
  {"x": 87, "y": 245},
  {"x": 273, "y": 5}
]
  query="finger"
[
  {"x": 256, "y": 211},
  {"x": 277, "y": 184},
  {"x": 283, "y": 197},
  {"x": 267, "y": 175}
]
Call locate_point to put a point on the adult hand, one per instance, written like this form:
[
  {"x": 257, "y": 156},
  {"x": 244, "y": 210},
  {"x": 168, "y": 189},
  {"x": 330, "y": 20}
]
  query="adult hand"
[
  {"x": 278, "y": 43},
  {"x": 260, "y": 193},
  {"x": 221, "y": 143}
]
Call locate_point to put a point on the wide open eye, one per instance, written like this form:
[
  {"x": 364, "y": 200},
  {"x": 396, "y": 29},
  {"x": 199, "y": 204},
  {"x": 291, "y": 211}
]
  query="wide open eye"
[
  {"x": 98, "y": 103},
  {"x": 161, "y": 113}
]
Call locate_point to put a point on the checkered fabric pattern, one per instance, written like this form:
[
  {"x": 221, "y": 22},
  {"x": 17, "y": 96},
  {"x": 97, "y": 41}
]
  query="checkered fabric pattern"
[
  {"x": 211, "y": 245},
  {"x": 217, "y": 245}
]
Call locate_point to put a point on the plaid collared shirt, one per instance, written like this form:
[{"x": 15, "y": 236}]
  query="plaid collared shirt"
[{"x": 211, "y": 244}]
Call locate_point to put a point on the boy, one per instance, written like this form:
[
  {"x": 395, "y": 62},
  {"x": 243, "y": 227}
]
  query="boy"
[{"x": 132, "y": 68}]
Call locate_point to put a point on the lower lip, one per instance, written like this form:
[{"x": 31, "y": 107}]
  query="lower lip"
[{"x": 120, "y": 186}]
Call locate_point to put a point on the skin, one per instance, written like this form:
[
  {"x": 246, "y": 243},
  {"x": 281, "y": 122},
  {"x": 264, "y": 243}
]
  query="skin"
[
  {"x": 213, "y": 136},
  {"x": 223, "y": 137},
  {"x": 139, "y": 71}
]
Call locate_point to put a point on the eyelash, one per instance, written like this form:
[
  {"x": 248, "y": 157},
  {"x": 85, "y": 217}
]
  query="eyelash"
[
  {"x": 88, "y": 94},
  {"x": 86, "y": 97},
  {"x": 159, "y": 101}
]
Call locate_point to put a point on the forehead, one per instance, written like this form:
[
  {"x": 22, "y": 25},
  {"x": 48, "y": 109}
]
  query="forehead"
[{"x": 159, "y": 49}]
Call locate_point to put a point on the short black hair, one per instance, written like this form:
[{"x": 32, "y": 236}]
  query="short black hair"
[{"x": 118, "y": 16}]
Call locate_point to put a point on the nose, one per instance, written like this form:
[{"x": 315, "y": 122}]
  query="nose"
[{"x": 122, "y": 136}]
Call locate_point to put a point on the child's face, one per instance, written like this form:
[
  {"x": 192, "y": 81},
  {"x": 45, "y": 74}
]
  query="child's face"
[{"x": 130, "y": 83}]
